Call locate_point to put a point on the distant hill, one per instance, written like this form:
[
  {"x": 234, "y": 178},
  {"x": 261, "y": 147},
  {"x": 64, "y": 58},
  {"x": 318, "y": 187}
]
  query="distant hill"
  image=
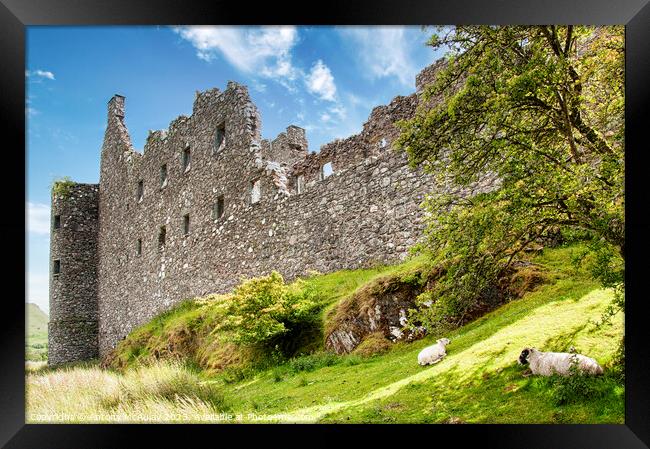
[
  {"x": 36, "y": 342},
  {"x": 36, "y": 319}
]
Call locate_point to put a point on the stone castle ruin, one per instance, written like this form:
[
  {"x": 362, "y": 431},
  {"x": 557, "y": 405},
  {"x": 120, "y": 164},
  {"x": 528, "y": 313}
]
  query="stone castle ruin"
[{"x": 208, "y": 202}]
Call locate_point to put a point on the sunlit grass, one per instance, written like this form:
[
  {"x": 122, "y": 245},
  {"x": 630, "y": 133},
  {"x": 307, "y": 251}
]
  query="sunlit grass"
[
  {"x": 163, "y": 392},
  {"x": 479, "y": 380}
]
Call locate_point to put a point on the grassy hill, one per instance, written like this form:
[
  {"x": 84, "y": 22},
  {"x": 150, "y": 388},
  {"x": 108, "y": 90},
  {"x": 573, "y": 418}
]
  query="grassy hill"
[
  {"x": 36, "y": 342},
  {"x": 478, "y": 382}
]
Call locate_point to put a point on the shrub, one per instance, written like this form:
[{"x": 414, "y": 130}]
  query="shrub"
[
  {"x": 266, "y": 312},
  {"x": 313, "y": 361},
  {"x": 62, "y": 187},
  {"x": 233, "y": 374},
  {"x": 277, "y": 375}
]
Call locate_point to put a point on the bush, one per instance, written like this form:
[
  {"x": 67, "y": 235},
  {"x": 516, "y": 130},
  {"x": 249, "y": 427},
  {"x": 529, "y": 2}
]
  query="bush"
[
  {"x": 63, "y": 187},
  {"x": 313, "y": 361},
  {"x": 235, "y": 374},
  {"x": 267, "y": 313}
]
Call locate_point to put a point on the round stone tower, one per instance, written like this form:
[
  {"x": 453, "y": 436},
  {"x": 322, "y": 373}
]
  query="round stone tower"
[{"x": 72, "y": 330}]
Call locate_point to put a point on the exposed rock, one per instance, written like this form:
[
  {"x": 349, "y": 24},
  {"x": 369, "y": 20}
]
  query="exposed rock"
[{"x": 379, "y": 307}]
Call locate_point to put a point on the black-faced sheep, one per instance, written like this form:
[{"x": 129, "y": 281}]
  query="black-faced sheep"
[{"x": 549, "y": 363}]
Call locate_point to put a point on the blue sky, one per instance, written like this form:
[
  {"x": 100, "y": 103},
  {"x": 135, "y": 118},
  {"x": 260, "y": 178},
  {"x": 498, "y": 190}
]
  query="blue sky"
[{"x": 324, "y": 79}]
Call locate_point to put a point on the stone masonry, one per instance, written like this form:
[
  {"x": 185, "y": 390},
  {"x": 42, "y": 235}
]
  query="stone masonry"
[
  {"x": 208, "y": 202},
  {"x": 73, "y": 325}
]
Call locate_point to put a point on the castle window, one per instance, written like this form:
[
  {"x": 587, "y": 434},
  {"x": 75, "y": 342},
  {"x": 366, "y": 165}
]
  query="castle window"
[
  {"x": 220, "y": 138},
  {"x": 218, "y": 208},
  {"x": 162, "y": 235},
  {"x": 138, "y": 247},
  {"x": 326, "y": 170},
  {"x": 163, "y": 175},
  {"x": 56, "y": 267},
  {"x": 57, "y": 221},
  {"x": 140, "y": 190},
  {"x": 300, "y": 184},
  {"x": 186, "y": 159},
  {"x": 186, "y": 224},
  {"x": 256, "y": 191}
]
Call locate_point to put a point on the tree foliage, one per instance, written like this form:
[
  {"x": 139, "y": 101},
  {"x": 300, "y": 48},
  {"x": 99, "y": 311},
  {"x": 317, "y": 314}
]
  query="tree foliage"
[
  {"x": 262, "y": 310},
  {"x": 540, "y": 108}
]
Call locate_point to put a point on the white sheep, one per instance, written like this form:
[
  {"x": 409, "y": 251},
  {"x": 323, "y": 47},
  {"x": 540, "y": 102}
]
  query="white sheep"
[
  {"x": 549, "y": 363},
  {"x": 433, "y": 354}
]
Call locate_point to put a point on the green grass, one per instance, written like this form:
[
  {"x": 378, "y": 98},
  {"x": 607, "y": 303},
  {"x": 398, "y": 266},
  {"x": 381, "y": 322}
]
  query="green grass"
[
  {"x": 36, "y": 341},
  {"x": 478, "y": 382},
  {"x": 187, "y": 329}
]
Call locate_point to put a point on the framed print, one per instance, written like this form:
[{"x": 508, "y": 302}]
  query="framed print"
[{"x": 373, "y": 215}]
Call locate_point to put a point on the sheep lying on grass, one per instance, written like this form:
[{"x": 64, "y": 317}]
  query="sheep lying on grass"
[
  {"x": 549, "y": 363},
  {"x": 434, "y": 353}
]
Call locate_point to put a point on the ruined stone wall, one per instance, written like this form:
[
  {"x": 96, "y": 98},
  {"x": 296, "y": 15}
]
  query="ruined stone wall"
[
  {"x": 241, "y": 206},
  {"x": 72, "y": 329}
]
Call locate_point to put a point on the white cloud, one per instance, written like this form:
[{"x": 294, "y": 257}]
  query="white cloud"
[
  {"x": 40, "y": 73},
  {"x": 38, "y": 218},
  {"x": 260, "y": 87},
  {"x": 339, "y": 110},
  {"x": 384, "y": 52},
  {"x": 320, "y": 82},
  {"x": 264, "y": 51}
]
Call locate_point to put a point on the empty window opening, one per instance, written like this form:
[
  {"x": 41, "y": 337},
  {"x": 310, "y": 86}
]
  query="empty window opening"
[
  {"x": 138, "y": 247},
  {"x": 140, "y": 190},
  {"x": 326, "y": 170},
  {"x": 300, "y": 184},
  {"x": 56, "y": 267},
  {"x": 186, "y": 224},
  {"x": 256, "y": 191},
  {"x": 162, "y": 235},
  {"x": 57, "y": 221},
  {"x": 218, "y": 208},
  {"x": 163, "y": 175},
  {"x": 220, "y": 138},
  {"x": 383, "y": 142},
  {"x": 186, "y": 159}
]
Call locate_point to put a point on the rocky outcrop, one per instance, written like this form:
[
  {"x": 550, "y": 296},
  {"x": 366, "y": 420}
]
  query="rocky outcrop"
[{"x": 381, "y": 306}]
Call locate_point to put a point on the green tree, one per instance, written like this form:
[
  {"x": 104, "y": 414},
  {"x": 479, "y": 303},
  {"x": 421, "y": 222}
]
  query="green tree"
[{"x": 540, "y": 108}]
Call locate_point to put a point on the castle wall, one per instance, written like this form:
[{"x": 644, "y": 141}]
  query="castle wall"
[
  {"x": 73, "y": 325},
  {"x": 233, "y": 208}
]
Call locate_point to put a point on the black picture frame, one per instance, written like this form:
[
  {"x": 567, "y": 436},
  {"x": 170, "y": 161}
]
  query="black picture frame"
[{"x": 15, "y": 15}]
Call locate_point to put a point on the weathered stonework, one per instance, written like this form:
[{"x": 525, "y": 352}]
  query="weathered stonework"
[
  {"x": 73, "y": 326},
  {"x": 366, "y": 211}
]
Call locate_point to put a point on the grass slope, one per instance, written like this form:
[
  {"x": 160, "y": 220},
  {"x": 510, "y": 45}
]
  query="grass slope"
[
  {"x": 187, "y": 330},
  {"x": 36, "y": 342},
  {"x": 479, "y": 381}
]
